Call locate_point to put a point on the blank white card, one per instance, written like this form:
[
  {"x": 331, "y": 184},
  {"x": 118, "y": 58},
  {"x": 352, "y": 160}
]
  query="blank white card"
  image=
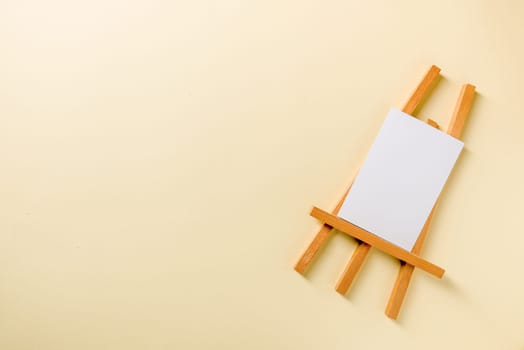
[{"x": 401, "y": 179}]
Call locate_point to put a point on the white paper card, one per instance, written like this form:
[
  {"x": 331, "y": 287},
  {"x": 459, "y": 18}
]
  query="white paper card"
[{"x": 401, "y": 179}]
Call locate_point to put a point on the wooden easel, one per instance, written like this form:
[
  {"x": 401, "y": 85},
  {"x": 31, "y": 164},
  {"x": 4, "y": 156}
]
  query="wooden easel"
[{"x": 366, "y": 240}]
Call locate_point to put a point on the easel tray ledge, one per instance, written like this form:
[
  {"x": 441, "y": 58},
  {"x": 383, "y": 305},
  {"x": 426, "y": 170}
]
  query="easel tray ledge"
[{"x": 376, "y": 242}]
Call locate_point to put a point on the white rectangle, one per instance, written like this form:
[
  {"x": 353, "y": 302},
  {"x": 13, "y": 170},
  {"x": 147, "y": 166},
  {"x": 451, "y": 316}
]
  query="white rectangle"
[{"x": 401, "y": 179}]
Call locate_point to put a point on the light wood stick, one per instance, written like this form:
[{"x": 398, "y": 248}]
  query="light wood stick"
[
  {"x": 461, "y": 113},
  {"x": 455, "y": 129},
  {"x": 422, "y": 90},
  {"x": 359, "y": 255},
  {"x": 377, "y": 242},
  {"x": 320, "y": 238},
  {"x": 352, "y": 267},
  {"x": 361, "y": 251}
]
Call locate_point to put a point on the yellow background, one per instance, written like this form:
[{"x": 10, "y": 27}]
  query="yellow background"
[{"x": 159, "y": 158}]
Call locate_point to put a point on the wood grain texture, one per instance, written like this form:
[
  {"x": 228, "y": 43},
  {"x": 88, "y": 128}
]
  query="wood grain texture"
[
  {"x": 455, "y": 128},
  {"x": 361, "y": 251},
  {"x": 376, "y": 242}
]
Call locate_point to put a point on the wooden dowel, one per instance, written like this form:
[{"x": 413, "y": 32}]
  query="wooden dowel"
[
  {"x": 461, "y": 113},
  {"x": 312, "y": 250},
  {"x": 404, "y": 275},
  {"x": 455, "y": 128},
  {"x": 320, "y": 238},
  {"x": 422, "y": 90},
  {"x": 359, "y": 255},
  {"x": 377, "y": 242},
  {"x": 361, "y": 251},
  {"x": 352, "y": 268}
]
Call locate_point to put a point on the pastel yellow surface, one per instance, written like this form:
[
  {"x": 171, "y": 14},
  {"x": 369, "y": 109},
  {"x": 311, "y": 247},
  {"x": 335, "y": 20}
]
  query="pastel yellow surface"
[{"x": 159, "y": 160}]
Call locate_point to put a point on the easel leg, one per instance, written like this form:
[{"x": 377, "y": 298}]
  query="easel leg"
[
  {"x": 321, "y": 236},
  {"x": 455, "y": 128},
  {"x": 404, "y": 274},
  {"x": 352, "y": 268},
  {"x": 399, "y": 290},
  {"x": 359, "y": 255},
  {"x": 312, "y": 250},
  {"x": 422, "y": 90}
]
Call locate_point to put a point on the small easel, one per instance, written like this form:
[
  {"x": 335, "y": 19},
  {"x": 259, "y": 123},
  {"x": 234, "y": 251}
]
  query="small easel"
[{"x": 366, "y": 240}]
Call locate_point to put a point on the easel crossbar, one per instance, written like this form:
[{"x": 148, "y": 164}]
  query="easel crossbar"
[{"x": 376, "y": 242}]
